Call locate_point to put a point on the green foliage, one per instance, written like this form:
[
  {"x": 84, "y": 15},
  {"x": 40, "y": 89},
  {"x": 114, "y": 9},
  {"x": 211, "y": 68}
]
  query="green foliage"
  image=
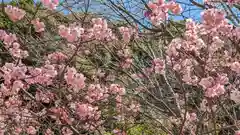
[
  {"x": 107, "y": 133},
  {"x": 143, "y": 129},
  {"x": 4, "y": 21},
  {"x": 27, "y": 5}
]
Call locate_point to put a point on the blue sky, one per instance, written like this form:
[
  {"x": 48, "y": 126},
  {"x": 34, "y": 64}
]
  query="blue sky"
[
  {"x": 189, "y": 10},
  {"x": 95, "y": 6}
]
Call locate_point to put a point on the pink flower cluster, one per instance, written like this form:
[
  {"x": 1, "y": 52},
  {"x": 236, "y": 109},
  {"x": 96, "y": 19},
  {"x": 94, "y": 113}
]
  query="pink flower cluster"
[
  {"x": 117, "y": 89},
  {"x": 71, "y": 33},
  {"x": 16, "y": 81},
  {"x": 158, "y": 65},
  {"x": 96, "y": 93},
  {"x": 186, "y": 55},
  {"x": 12, "y": 107},
  {"x": 126, "y": 58},
  {"x": 49, "y": 132},
  {"x": 74, "y": 80},
  {"x": 15, "y": 51},
  {"x": 61, "y": 115},
  {"x": 214, "y": 86},
  {"x": 87, "y": 112},
  {"x": 237, "y": 132},
  {"x": 7, "y": 39},
  {"x": 134, "y": 107},
  {"x": 31, "y": 130},
  {"x": 10, "y": 42},
  {"x": 15, "y": 14},
  {"x": 50, "y": 4},
  {"x": 57, "y": 57},
  {"x": 213, "y": 17},
  {"x": 32, "y": 95},
  {"x": 44, "y": 96},
  {"x": 159, "y": 10},
  {"x": 235, "y": 96},
  {"x": 18, "y": 73},
  {"x": 38, "y": 26},
  {"x": 127, "y": 33},
  {"x": 119, "y": 92},
  {"x": 190, "y": 119},
  {"x": 67, "y": 131},
  {"x": 43, "y": 75},
  {"x": 235, "y": 66},
  {"x": 10, "y": 73},
  {"x": 100, "y": 30}
]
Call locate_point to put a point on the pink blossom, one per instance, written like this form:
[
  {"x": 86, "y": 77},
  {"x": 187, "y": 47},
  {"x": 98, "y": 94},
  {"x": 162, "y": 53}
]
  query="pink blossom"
[
  {"x": 147, "y": 72},
  {"x": 45, "y": 97},
  {"x": 134, "y": 107},
  {"x": 96, "y": 93},
  {"x": 159, "y": 10},
  {"x": 57, "y": 57},
  {"x": 50, "y": 4},
  {"x": 215, "y": 91},
  {"x": 159, "y": 65},
  {"x": 119, "y": 132},
  {"x": 127, "y": 63},
  {"x": 235, "y": 67},
  {"x": 127, "y": 33},
  {"x": 43, "y": 75},
  {"x": 118, "y": 99},
  {"x": 160, "y": 2},
  {"x": 62, "y": 114},
  {"x": 31, "y": 130},
  {"x": 173, "y": 46},
  {"x": 71, "y": 33},
  {"x": 17, "y": 131},
  {"x": 74, "y": 79},
  {"x": 9, "y": 39},
  {"x": 87, "y": 111},
  {"x": 175, "y": 8},
  {"x": 63, "y": 31},
  {"x": 125, "y": 53},
  {"x": 206, "y": 82},
  {"x": 193, "y": 116},
  {"x": 49, "y": 132},
  {"x": 100, "y": 30},
  {"x": 237, "y": 132},
  {"x": 117, "y": 89},
  {"x": 213, "y": 17},
  {"x": 12, "y": 72},
  {"x": 13, "y": 47},
  {"x": 216, "y": 45},
  {"x": 67, "y": 131},
  {"x": 235, "y": 96},
  {"x": 17, "y": 52},
  {"x": 38, "y": 26},
  {"x": 17, "y": 85},
  {"x": 214, "y": 86},
  {"x": 14, "y": 13},
  {"x": 2, "y": 34}
]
